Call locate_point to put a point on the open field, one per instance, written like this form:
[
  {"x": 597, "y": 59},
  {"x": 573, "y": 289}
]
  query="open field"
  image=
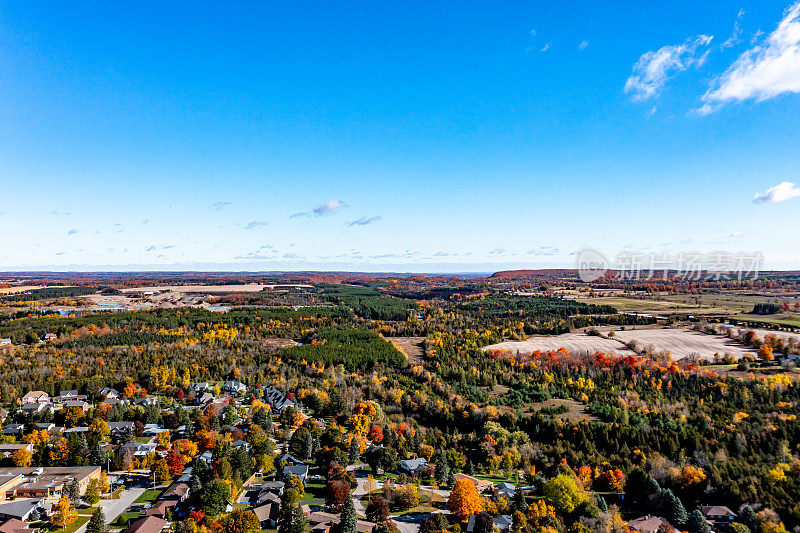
[
  {"x": 682, "y": 342},
  {"x": 189, "y": 289},
  {"x": 577, "y": 411},
  {"x": 18, "y": 289},
  {"x": 761, "y": 332},
  {"x": 640, "y": 305},
  {"x": 410, "y": 346},
  {"x": 572, "y": 342}
]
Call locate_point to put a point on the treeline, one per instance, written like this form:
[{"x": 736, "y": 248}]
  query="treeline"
[
  {"x": 367, "y": 302},
  {"x": 528, "y": 307},
  {"x": 351, "y": 347}
]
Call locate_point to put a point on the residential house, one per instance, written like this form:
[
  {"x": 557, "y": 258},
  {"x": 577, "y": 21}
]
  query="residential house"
[
  {"x": 234, "y": 387},
  {"x": 480, "y": 484},
  {"x": 323, "y": 523},
  {"x": 412, "y": 466},
  {"x": 718, "y": 516},
  {"x": 268, "y": 514},
  {"x": 79, "y": 404},
  {"x": 646, "y": 524},
  {"x": 108, "y": 393},
  {"x": 13, "y": 429},
  {"x": 5, "y": 342},
  {"x": 300, "y": 471},
  {"x": 148, "y": 524},
  {"x": 137, "y": 449},
  {"x": 36, "y": 396},
  {"x": 501, "y": 522},
  {"x": 7, "y": 450},
  {"x": 206, "y": 457},
  {"x": 12, "y": 525},
  {"x": 290, "y": 459},
  {"x": 71, "y": 395},
  {"x": 505, "y": 490}
]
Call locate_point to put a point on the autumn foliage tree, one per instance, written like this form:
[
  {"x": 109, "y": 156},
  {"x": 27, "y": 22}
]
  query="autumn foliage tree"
[
  {"x": 63, "y": 513},
  {"x": 464, "y": 500}
]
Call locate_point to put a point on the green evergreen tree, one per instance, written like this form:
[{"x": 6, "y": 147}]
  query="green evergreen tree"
[
  {"x": 750, "y": 519},
  {"x": 348, "y": 521},
  {"x": 674, "y": 509},
  {"x": 697, "y": 523},
  {"x": 97, "y": 523}
]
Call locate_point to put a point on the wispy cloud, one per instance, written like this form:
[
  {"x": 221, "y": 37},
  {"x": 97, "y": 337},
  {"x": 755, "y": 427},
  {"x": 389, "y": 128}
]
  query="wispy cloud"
[
  {"x": 328, "y": 208},
  {"x": 583, "y": 45},
  {"x": 59, "y": 213},
  {"x": 256, "y": 224},
  {"x": 73, "y": 231},
  {"x": 2, "y": 213},
  {"x": 768, "y": 69},
  {"x": 544, "y": 250},
  {"x": 219, "y": 206},
  {"x": 363, "y": 221},
  {"x": 545, "y": 48},
  {"x": 736, "y": 35},
  {"x": 652, "y": 70},
  {"x": 779, "y": 193}
]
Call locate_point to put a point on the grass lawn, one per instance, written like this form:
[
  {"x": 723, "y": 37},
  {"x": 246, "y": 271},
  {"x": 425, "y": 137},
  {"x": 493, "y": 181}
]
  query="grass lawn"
[
  {"x": 143, "y": 440},
  {"x": 417, "y": 510},
  {"x": 314, "y": 491},
  {"x": 124, "y": 520},
  {"x": 88, "y": 511},
  {"x": 82, "y": 519},
  {"x": 147, "y": 496}
]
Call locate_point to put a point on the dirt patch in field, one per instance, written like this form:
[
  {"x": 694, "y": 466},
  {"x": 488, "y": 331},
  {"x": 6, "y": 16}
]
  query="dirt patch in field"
[
  {"x": 572, "y": 342},
  {"x": 577, "y": 411},
  {"x": 682, "y": 342},
  {"x": 412, "y": 347}
]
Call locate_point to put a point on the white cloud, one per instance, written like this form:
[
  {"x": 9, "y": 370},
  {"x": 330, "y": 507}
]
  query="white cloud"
[
  {"x": 770, "y": 68},
  {"x": 545, "y": 48},
  {"x": 583, "y": 45},
  {"x": 654, "y": 68},
  {"x": 328, "y": 207},
  {"x": 364, "y": 220},
  {"x": 779, "y": 193}
]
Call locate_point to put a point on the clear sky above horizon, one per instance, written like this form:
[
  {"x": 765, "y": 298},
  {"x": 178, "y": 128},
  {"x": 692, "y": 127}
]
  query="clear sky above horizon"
[{"x": 413, "y": 136}]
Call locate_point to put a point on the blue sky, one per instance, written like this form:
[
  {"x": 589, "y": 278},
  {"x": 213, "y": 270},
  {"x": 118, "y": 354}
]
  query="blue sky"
[{"x": 411, "y": 136}]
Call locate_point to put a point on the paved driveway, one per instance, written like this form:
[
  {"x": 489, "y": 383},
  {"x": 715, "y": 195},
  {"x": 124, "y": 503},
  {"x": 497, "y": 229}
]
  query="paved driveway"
[{"x": 114, "y": 508}]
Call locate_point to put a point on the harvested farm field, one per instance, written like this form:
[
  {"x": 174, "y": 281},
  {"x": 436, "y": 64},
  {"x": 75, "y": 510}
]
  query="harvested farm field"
[
  {"x": 573, "y": 342},
  {"x": 682, "y": 342}
]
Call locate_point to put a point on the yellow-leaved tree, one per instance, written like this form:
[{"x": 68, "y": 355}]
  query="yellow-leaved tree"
[
  {"x": 63, "y": 513},
  {"x": 464, "y": 500}
]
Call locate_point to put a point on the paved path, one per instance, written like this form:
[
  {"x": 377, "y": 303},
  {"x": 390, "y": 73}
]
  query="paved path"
[
  {"x": 113, "y": 508},
  {"x": 405, "y": 524}
]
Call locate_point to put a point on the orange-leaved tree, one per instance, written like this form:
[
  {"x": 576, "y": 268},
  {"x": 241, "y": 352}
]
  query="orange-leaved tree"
[{"x": 464, "y": 500}]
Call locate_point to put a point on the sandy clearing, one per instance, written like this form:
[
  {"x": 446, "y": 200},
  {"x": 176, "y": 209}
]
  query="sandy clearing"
[
  {"x": 249, "y": 287},
  {"x": 683, "y": 342},
  {"x": 573, "y": 342},
  {"x": 21, "y": 288}
]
